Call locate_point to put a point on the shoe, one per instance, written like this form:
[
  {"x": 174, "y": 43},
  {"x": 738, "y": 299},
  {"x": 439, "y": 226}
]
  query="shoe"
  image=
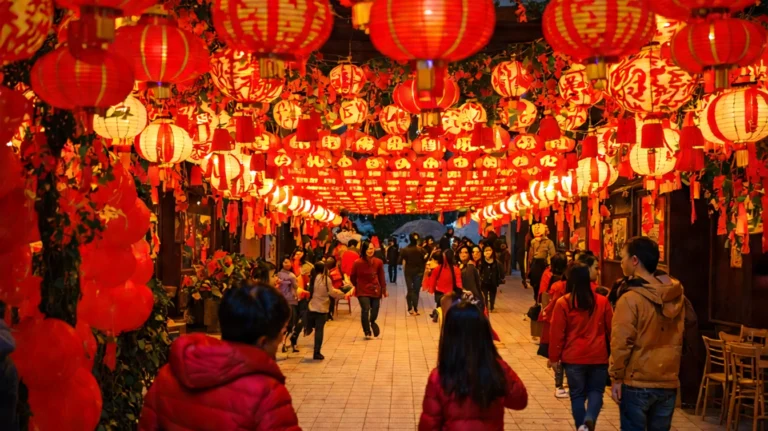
[
  {"x": 295, "y": 348},
  {"x": 411, "y": 312},
  {"x": 318, "y": 357},
  {"x": 284, "y": 349},
  {"x": 330, "y": 318},
  {"x": 416, "y": 313},
  {"x": 367, "y": 335},
  {"x": 590, "y": 424},
  {"x": 583, "y": 428},
  {"x": 561, "y": 393},
  {"x": 376, "y": 330},
  {"x": 435, "y": 316}
]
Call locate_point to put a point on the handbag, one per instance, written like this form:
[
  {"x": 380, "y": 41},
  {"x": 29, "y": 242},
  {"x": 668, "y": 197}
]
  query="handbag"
[{"x": 534, "y": 311}]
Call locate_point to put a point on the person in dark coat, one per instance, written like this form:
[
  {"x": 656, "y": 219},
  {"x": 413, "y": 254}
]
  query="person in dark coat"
[
  {"x": 9, "y": 379},
  {"x": 470, "y": 277},
  {"x": 491, "y": 276},
  {"x": 445, "y": 241},
  {"x": 393, "y": 252}
]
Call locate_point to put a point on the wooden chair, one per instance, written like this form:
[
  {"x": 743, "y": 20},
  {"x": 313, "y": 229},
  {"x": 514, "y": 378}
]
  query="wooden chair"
[
  {"x": 715, "y": 372},
  {"x": 753, "y": 335},
  {"x": 748, "y": 384},
  {"x": 339, "y": 301},
  {"x": 729, "y": 338}
]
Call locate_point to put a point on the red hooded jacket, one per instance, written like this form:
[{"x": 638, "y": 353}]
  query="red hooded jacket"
[
  {"x": 210, "y": 384},
  {"x": 443, "y": 413},
  {"x": 576, "y": 337}
]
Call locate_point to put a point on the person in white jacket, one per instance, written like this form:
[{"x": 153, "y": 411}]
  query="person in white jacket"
[{"x": 321, "y": 292}]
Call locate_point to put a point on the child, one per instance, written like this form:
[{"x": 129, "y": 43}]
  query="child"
[
  {"x": 471, "y": 383},
  {"x": 321, "y": 292}
]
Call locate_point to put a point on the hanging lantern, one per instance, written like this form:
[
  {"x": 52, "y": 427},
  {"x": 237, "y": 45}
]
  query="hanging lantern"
[
  {"x": 24, "y": 25},
  {"x": 597, "y": 33},
  {"x": 520, "y": 115},
  {"x": 96, "y": 25},
  {"x": 669, "y": 138},
  {"x": 121, "y": 122},
  {"x": 431, "y": 34},
  {"x": 501, "y": 141},
  {"x": 510, "y": 79},
  {"x": 226, "y": 170},
  {"x": 14, "y": 108},
  {"x": 236, "y": 75},
  {"x": 572, "y": 117},
  {"x": 264, "y": 143},
  {"x": 347, "y": 79},
  {"x": 652, "y": 162},
  {"x": 575, "y": 88},
  {"x": 275, "y": 31},
  {"x": 452, "y": 120},
  {"x": 738, "y": 116},
  {"x": 562, "y": 145},
  {"x": 286, "y": 113},
  {"x": 592, "y": 173},
  {"x": 164, "y": 143},
  {"x": 407, "y": 97},
  {"x": 543, "y": 192},
  {"x": 474, "y": 112},
  {"x": 394, "y": 120},
  {"x": 527, "y": 142},
  {"x": 683, "y": 10},
  {"x": 665, "y": 29},
  {"x": 393, "y": 144},
  {"x": 353, "y": 111}
]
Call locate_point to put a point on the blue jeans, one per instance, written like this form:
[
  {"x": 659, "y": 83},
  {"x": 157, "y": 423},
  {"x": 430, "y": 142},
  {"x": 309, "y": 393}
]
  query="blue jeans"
[
  {"x": 587, "y": 384},
  {"x": 647, "y": 409}
]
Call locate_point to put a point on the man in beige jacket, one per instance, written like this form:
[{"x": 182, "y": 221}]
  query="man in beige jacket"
[{"x": 646, "y": 340}]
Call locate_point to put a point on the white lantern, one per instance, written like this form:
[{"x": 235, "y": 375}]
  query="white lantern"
[
  {"x": 287, "y": 113},
  {"x": 651, "y": 162},
  {"x": 164, "y": 143},
  {"x": 739, "y": 115},
  {"x": 592, "y": 175},
  {"x": 122, "y": 121}
]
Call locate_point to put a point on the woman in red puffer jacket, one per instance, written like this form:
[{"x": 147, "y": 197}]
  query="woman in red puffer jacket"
[
  {"x": 472, "y": 385},
  {"x": 442, "y": 279},
  {"x": 228, "y": 384}
]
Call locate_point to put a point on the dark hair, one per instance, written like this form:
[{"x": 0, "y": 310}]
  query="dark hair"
[
  {"x": 260, "y": 270},
  {"x": 444, "y": 259},
  {"x": 363, "y": 248},
  {"x": 467, "y": 360},
  {"x": 288, "y": 258},
  {"x": 413, "y": 238},
  {"x": 646, "y": 250},
  {"x": 252, "y": 311},
  {"x": 558, "y": 264},
  {"x": 328, "y": 261},
  {"x": 580, "y": 287},
  {"x": 587, "y": 259},
  {"x": 493, "y": 251},
  {"x": 303, "y": 255},
  {"x": 352, "y": 243},
  {"x": 458, "y": 252},
  {"x": 429, "y": 237},
  {"x": 318, "y": 270}
]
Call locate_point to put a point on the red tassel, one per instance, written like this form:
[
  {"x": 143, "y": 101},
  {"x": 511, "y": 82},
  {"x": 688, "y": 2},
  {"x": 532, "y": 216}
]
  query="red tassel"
[
  {"x": 223, "y": 142},
  {"x": 549, "y": 130},
  {"x": 196, "y": 176},
  {"x": 306, "y": 130},
  {"x": 589, "y": 147},
  {"x": 244, "y": 129},
  {"x": 626, "y": 131},
  {"x": 652, "y": 136},
  {"x": 110, "y": 355}
]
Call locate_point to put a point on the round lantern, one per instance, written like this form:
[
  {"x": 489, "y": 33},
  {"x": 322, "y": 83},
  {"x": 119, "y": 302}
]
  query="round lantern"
[
  {"x": 474, "y": 113},
  {"x": 64, "y": 82},
  {"x": 14, "y": 107},
  {"x": 24, "y": 25},
  {"x": 164, "y": 143},
  {"x": 739, "y": 115},
  {"x": 287, "y": 113},
  {"x": 521, "y": 115},
  {"x": 510, "y": 79},
  {"x": 161, "y": 52},
  {"x": 47, "y": 352},
  {"x": 543, "y": 192},
  {"x": 452, "y": 120},
  {"x": 597, "y": 33},
  {"x": 651, "y": 162},
  {"x": 128, "y": 228},
  {"x": 353, "y": 111},
  {"x": 670, "y": 137},
  {"x": 592, "y": 175},
  {"x": 572, "y": 117},
  {"x": 393, "y": 120},
  {"x": 237, "y": 76},
  {"x": 527, "y": 142},
  {"x": 665, "y": 29},
  {"x": 70, "y": 406},
  {"x": 501, "y": 141},
  {"x": 116, "y": 310},
  {"x": 282, "y": 30},
  {"x": 431, "y": 33},
  {"x": 563, "y": 144},
  {"x": 575, "y": 88},
  {"x": 121, "y": 122},
  {"x": 407, "y": 97},
  {"x": 225, "y": 169},
  {"x": 682, "y": 10},
  {"x": 718, "y": 42},
  {"x": 347, "y": 79}
]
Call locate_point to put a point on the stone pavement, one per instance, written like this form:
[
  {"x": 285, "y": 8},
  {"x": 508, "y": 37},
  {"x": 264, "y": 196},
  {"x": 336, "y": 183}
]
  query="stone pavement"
[{"x": 379, "y": 384}]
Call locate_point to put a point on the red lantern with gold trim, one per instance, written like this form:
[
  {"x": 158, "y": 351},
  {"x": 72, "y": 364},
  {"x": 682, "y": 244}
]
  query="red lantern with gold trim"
[
  {"x": 97, "y": 20},
  {"x": 347, "y": 79},
  {"x": 429, "y": 105},
  {"x": 683, "y": 9},
  {"x": 24, "y": 25}
]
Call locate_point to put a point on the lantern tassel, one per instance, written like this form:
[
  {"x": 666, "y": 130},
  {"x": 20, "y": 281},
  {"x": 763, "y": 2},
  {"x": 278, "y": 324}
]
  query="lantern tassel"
[
  {"x": 549, "y": 130},
  {"x": 196, "y": 176},
  {"x": 626, "y": 132},
  {"x": 652, "y": 136},
  {"x": 110, "y": 355}
]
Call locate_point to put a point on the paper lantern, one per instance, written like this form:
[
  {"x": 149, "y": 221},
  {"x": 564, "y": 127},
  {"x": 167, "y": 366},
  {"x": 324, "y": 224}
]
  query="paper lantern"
[
  {"x": 562, "y": 145},
  {"x": 575, "y": 88},
  {"x": 651, "y": 162},
  {"x": 286, "y": 113},
  {"x": 521, "y": 116},
  {"x": 572, "y": 117},
  {"x": 353, "y": 111},
  {"x": 738, "y": 115},
  {"x": 74, "y": 405},
  {"x": 393, "y": 120},
  {"x": 264, "y": 142},
  {"x": 129, "y": 227},
  {"x": 683, "y": 9},
  {"x": 592, "y": 175},
  {"x": 510, "y": 79},
  {"x": 347, "y": 79},
  {"x": 431, "y": 34},
  {"x": 164, "y": 143},
  {"x": 14, "y": 107},
  {"x": 116, "y": 310},
  {"x": 501, "y": 141},
  {"x": 105, "y": 265},
  {"x": 280, "y": 30},
  {"x": 665, "y": 29},
  {"x": 543, "y": 192},
  {"x": 121, "y": 122},
  {"x": 407, "y": 97},
  {"x": 161, "y": 53},
  {"x": 452, "y": 120},
  {"x": 474, "y": 112},
  {"x": 670, "y": 138},
  {"x": 145, "y": 267},
  {"x": 96, "y": 25},
  {"x": 18, "y": 219},
  {"x": 64, "y": 82},
  {"x": 598, "y": 32},
  {"x": 48, "y": 352},
  {"x": 225, "y": 169},
  {"x": 24, "y": 25},
  {"x": 237, "y": 76}
]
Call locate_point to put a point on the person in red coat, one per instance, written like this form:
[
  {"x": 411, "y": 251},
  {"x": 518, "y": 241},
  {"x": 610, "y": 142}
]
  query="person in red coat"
[
  {"x": 370, "y": 286},
  {"x": 228, "y": 384},
  {"x": 472, "y": 385},
  {"x": 580, "y": 328},
  {"x": 443, "y": 278}
]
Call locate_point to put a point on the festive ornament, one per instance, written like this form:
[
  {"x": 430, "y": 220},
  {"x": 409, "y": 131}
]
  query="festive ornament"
[
  {"x": 129, "y": 227},
  {"x": 429, "y": 104},
  {"x": 452, "y": 120},
  {"x": 474, "y": 112},
  {"x": 13, "y": 109},
  {"x": 236, "y": 75},
  {"x": 286, "y": 113},
  {"x": 164, "y": 143},
  {"x": 520, "y": 115},
  {"x": 665, "y": 29},
  {"x": 116, "y": 310},
  {"x": 563, "y": 144},
  {"x": 683, "y": 10},
  {"x": 592, "y": 173},
  {"x": 572, "y": 117},
  {"x": 738, "y": 116},
  {"x": 24, "y": 25},
  {"x": 74, "y": 405},
  {"x": 48, "y": 352},
  {"x": 347, "y": 79},
  {"x": 96, "y": 25},
  {"x": 121, "y": 122},
  {"x": 353, "y": 111},
  {"x": 393, "y": 120},
  {"x": 651, "y": 162},
  {"x": 510, "y": 79},
  {"x": 105, "y": 265},
  {"x": 575, "y": 88}
]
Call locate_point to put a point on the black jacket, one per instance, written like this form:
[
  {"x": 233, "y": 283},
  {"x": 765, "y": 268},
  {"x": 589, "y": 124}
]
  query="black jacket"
[
  {"x": 392, "y": 254},
  {"x": 491, "y": 274},
  {"x": 470, "y": 280}
]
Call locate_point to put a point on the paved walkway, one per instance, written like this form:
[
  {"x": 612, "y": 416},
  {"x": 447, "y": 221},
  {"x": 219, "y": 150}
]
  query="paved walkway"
[{"x": 379, "y": 384}]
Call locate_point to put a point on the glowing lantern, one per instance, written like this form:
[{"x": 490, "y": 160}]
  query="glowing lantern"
[
  {"x": 521, "y": 117},
  {"x": 452, "y": 121},
  {"x": 431, "y": 34},
  {"x": 670, "y": 138},
  {"x": 236, "y": 75},
  {"x": 739, "y": 116},
  {"x": 519, "y": 160},
  {"x": 97, "y": 19},
  {"x": 527, "y": 142},
  {"x": 575, "y": 88},
  {"x": 428, "y": 145},
  {"x": 598, "y": 32},
  {"x": 665, "y": 29},
  {"x": 24, "y": 25},
  {"x": 572, "y": 117},
  {"x": 683, "y": 9},
  {"x": 543, "y": 192},
  {"x": 562, "y": 145},
  {"x": 592, "y": 173},
  {"x": 474, "y": 112},
  {"x": 164, "y": 143},
  {"x": 225, "y": 170},
  {"x": 393, "y": 144},
  {"x": 353, "y": 111},
  {"x": 394, "y": 120},
  {"x": 264, "y": 143},
  {"x": 286, "y": 113},
  {"x": 407, "y": 97},
  {"x": 122, "y": 121},
  {"x": 651, "y": 162},
  {"x": 14, "y": 109},
  {"x": 510, "y": 79},
  {"x": 282, "y": 31},
  {"x": 347, "y": 79}
]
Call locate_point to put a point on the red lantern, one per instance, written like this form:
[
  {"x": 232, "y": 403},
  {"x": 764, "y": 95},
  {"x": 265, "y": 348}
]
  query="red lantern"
[
  {"x": 683, "y": 9},
  {"x": 393, "y": 120},
  {"x": 18, "y": 219},
  {"x": 407, "y": 97},
  {"x": 237, "y": 75},
  {"x": 431, "y": 33},
  {"x": 106, "y": 266},
  {"x": 47, "y": 352},
  {"x": 75, "y": 405},
  {"x": 13, "y": 107},
  {"x": 164, "y": 143},
  {"x": 598, "y": 32},
  {"x": 575, "y": 88},
  {"x": 97, "y": 19},
  {"x": 89, "y": 343},
  {"x": 24, "y": 25},
  {"x": 353, "y": 111},
  {"x": 510, "y": 79},
  {"x": 285, "y": 31},
  {"x": 130, "y": 227},
  {"x": 118, "y": 193},
  {"x": 117, "y": 310},
  {"x": 347, "y": 79}
]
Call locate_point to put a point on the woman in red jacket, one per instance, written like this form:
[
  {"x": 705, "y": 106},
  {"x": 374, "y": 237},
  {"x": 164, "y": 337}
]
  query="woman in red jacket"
[
  {"x": 370, "y": 286},
  {"x": 443, "y": 278},
  {"x": 228, "y": 384},
  {"x": 581, "y": 324},
  {"x": 471, "y": 385}
]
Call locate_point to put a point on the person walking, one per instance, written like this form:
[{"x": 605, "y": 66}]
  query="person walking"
[
  {"x": 542, "y": 249},
  {"x": 470, "y": 276},
  {"x": 443, "y": 278},
  {"x": 288, "y": 284},
  {"x": 235, "y": 382},
  {"x": 393, "y": 252},
  {"x": 321, "y": 292},
  {"x": 414, "y": 262},
  {"x": 370, "y": 286},
  {"x": 581, "y": 325},
  {"x": 506, "y": 258},
  {"x": 9, "y": 378},
  {"x": 472, "y": 385},
  {"x": 490, "y": 276},
  {"x": 348, "y": 257},
  {"x": 646, "y": 340},
  {"x": 555, "y": 289}
]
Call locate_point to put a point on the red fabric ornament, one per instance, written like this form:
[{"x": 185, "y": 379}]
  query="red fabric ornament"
[
  {"x": 106, "y": 266},
  {"x": 129, "y": 227},
  {"x": 47, "y": 352},
  {"x": 73, "y": 406},
  {"x": 13, "y": 108},
  {"x": 549, "y": 129}
]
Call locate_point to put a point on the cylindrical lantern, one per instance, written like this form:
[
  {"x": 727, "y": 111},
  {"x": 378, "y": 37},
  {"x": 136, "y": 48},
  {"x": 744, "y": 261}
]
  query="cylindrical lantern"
[
  {"x": 286, "y": 113},
  {"x": 575, "y": 88},
  {"x": 347, "y": 79},
  {"x": 510, "y": 79},
  {"x": 394, "y": 120},
  {"x": 237, "y": 76},
  {"x": 24, "y": 25},
  {"x": 164, "y": 143}
]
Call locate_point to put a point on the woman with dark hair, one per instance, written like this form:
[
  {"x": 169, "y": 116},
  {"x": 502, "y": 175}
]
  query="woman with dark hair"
[
  {"x": 491, "y": 276},
  {"x": 302, "y": 267},
  {"x": 471, "y": 385},
  {"x": 288, "y": 284},
  {"x": 443, "y": 278},
  {"x": 370, "y": 286},
  {"x": 470, "y": 277},
  {"x": 320, "y": 294},
  {"x": 581, "y": 324},
  {"x": 589, "y": 259},
  {"x": 477, "y": 255},
  {"x": 235, "y": 380},
  {"x": 554, "y": 290}
]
